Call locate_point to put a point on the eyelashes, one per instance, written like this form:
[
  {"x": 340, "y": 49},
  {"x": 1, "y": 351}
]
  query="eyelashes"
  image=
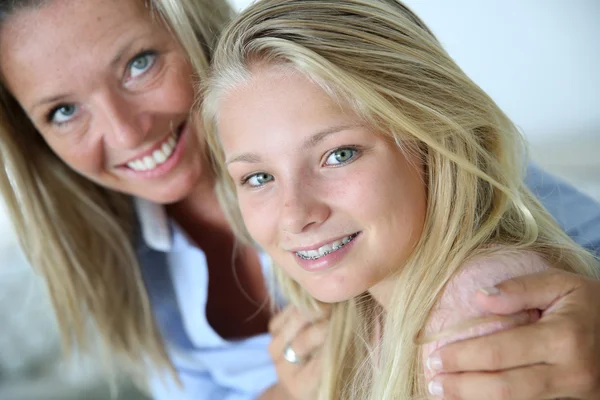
[
  {"x": 335, "y": 158},
  {"x": 137, "y": 67}
]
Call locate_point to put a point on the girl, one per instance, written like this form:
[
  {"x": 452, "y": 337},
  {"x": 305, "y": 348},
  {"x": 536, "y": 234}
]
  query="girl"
[{"x": 379, "y": 178}]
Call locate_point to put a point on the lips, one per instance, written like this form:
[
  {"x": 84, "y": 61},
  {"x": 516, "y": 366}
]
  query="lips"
[{"x": 158, "y": 154}]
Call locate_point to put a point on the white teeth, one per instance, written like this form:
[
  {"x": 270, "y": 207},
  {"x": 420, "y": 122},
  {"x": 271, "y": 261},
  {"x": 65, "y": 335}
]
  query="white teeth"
[
  {"x": 326, "y": 249},
  {"x": 137, "y": 165},
  {"x": 312, "y": 253},
  {"x": 149, "y": 162},
  {"x": 158, "y": 157}
]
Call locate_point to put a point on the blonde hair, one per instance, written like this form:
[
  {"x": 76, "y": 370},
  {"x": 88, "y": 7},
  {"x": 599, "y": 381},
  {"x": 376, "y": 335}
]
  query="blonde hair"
[
  {"x": 379, "y": 58},
  {"x": 80, "y": 236}
]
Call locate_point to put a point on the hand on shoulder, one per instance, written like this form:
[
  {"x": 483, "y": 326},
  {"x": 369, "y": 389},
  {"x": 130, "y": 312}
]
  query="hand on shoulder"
[{"x": 457, "y": 317}]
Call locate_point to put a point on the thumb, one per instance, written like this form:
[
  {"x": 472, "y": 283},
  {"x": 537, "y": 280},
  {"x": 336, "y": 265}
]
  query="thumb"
[{"x": 535, "y": 291}]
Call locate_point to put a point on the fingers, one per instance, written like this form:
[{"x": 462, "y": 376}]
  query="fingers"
[
  {"x": 306, "y": 335},
  {"x": 531, "y": 383},
  {"x": 507, "y": 349},
  {"x": 291, "y": 327},
  {"x": 301, "y": 382},
  {"x": 509, "y": 364},
  {"x": 539, "y": 291},
  {"x": 310, "y": 339},
  {"x": 279, "y": 320},
  {"x": 288, "y": 331}
]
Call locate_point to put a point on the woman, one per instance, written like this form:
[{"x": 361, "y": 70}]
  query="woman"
[
  {"x": 88, "y": 88},
  {"x": 379, "y": 178},
  {"x": 106, "y": 117}
]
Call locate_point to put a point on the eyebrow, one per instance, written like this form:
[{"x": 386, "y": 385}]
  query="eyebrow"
[
  {"x": 115, "y": 60},
  {"x": 122, "y": 51},
  {"x": 307, "y": 145},
  {"x": 46, "y": 100}
]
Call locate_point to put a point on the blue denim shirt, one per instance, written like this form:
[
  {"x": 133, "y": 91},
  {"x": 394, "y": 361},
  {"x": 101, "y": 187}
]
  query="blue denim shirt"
[
  {"x": 578, "y": 214},
  {"x": 212, "y": 368}
]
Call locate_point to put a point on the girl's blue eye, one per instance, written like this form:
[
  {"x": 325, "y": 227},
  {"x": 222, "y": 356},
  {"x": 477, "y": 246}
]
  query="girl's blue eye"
[
  {"x": 258, "y": 180},
  {"x": 340, "y": 156},
  {"x": 63, "y": 113},
  {"x": 141, "y": 64}
]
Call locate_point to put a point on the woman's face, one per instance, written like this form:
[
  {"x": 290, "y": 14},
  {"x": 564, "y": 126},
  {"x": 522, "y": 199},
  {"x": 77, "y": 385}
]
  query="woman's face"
[
  {"x": 110, "y": 91},
  {"x": 337, "y": 206}
]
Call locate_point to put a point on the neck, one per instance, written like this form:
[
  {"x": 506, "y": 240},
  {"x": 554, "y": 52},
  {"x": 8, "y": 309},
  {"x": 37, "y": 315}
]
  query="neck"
[
  {"x": 200, "y": 207},
  {"x": 382, "y": 291}
]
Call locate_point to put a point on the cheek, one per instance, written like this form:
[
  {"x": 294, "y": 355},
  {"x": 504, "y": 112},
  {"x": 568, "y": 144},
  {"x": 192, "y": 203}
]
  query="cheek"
[
  {"x": 388, "y": 199},
  {"x": 179, "y": 91},
  {"x": 81, "y": 156},
  {"x": 260, "y": 219}
]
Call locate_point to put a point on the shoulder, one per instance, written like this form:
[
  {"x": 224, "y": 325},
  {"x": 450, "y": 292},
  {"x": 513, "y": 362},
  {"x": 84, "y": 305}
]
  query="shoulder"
[
  {"x": 577, "y": 213},
  {"x": 455, "y": 315},
  {"x": 485, "y": 271}
]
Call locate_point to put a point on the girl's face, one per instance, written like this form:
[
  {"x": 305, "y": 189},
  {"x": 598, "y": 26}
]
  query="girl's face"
[
  {"x": 110, "y": 91},
  {"x": 336, "y": 205}
]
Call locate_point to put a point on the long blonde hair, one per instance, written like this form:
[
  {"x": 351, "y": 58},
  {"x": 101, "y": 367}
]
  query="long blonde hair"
[
  {"x": 80, "y": 236},
  {"x": 377, "y": 57}
]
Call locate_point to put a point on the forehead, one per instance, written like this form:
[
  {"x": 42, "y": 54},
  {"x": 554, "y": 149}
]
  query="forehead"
[
  {"x": 277, "y": 99},
  {"x": 48, "y": 41}
]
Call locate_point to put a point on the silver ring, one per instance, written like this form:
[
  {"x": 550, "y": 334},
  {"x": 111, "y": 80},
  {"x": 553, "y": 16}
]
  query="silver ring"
[{"x": 290, "y": 355}]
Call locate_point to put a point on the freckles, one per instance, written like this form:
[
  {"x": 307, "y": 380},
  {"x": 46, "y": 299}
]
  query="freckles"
[{"x": 89, "y": 161}]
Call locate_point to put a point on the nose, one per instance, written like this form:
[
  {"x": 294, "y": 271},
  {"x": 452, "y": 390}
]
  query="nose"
[
  {"x": 123, "y": 124},
  {"x": 301, "y": 207}
]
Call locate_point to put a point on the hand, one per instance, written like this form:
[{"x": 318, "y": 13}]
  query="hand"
[
  {"x": 305, "y": 334},
  {"x": 555, "y": 357}
]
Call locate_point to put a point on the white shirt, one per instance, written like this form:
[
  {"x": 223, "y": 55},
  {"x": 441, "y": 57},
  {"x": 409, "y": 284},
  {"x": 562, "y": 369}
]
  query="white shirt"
[{"x": 176, "y": 275}]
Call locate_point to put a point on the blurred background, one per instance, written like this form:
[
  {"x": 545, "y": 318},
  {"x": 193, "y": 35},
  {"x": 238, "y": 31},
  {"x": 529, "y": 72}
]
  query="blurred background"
[{"x": 538, "y": 59}]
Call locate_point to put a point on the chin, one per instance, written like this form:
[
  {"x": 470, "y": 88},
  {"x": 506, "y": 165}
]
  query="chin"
[
  {"x": 168, "y": 199},
  {"x": 178, "y": 189},
  {"x": 335, "y": 295},
  {"x": 170, "y": 195}
]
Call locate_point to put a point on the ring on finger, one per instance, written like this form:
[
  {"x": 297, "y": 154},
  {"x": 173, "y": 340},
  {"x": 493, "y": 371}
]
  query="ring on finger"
[{"x": 290, "y": 355}]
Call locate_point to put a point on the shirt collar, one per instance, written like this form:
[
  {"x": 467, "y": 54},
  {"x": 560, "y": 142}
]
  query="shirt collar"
[{"x": 154, "y": 225}]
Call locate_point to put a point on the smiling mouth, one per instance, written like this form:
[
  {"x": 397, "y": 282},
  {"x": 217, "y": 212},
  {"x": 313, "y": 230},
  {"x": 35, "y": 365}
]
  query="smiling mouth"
[
  {"x": 159, "y": 156},
  {"x": 326, "y": 249}
]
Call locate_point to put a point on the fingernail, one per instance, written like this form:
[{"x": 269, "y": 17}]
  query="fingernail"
[
  {"x": 490, "y": 291},
  {"x": 434, "y": 363},
  {"x": 435, "y": 388}
]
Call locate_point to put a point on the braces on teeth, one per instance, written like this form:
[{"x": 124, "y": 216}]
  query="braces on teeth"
[{"x": 344, "y": 242}]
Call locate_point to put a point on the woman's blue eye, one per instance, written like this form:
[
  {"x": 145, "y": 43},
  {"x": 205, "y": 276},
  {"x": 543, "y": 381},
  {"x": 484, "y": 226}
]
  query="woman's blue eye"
[
  {"x": 141, "y": 64},
  {"x": 63, "y": 113},
  {"x": 259, "y": 179},
  {"x": 340, "y": 156}
]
